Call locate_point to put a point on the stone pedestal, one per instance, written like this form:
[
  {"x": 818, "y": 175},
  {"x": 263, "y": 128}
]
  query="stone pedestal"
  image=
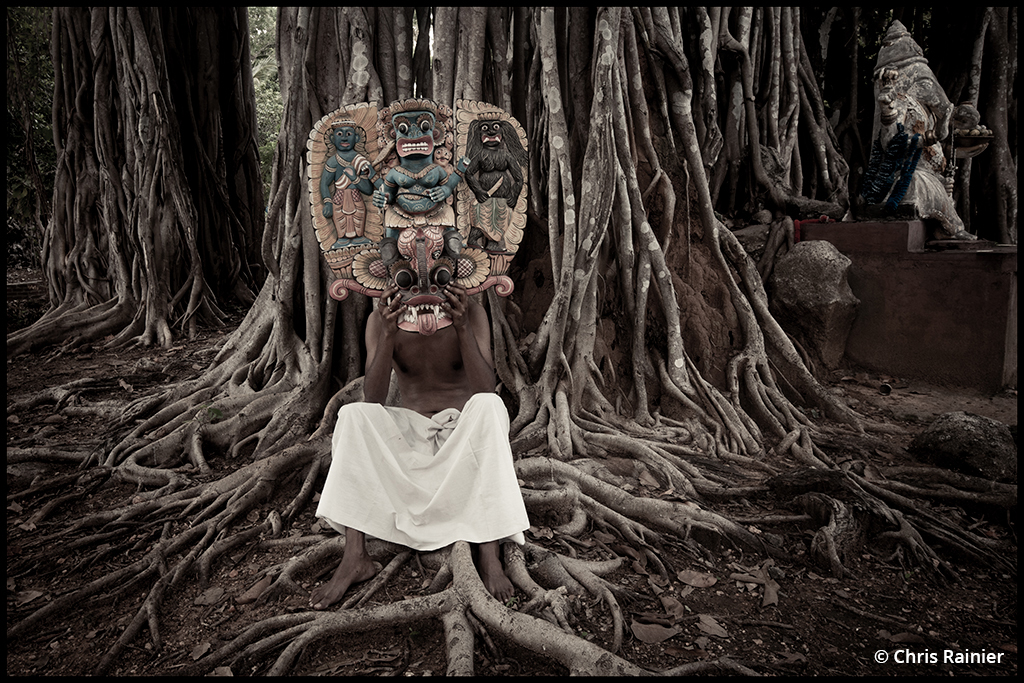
[{"x": 944, "y": 316}]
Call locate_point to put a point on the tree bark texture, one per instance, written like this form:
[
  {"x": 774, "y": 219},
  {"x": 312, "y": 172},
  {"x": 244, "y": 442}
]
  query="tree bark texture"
[{"x": 157, "y": 200}]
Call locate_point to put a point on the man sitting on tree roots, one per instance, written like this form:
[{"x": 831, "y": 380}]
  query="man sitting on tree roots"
[{"x": 439, "y": 468}]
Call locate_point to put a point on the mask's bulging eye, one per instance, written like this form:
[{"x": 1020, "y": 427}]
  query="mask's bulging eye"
[
  {"x": 441, "y": 275},
  {"x": 404, "y": 278}
]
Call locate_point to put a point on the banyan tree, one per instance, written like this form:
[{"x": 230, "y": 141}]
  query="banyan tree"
[{"x": 637, "y": 331}]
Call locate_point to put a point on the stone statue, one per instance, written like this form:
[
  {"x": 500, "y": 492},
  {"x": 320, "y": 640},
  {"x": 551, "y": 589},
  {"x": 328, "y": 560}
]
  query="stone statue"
[
  {"x": 912, "y": 118},
  {"x": 436, "y": 222}
]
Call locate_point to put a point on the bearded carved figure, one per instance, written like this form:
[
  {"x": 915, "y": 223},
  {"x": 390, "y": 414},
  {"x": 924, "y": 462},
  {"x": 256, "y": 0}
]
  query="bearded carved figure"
[
  {"x": 912, "y": 118},
  {"x": 448, "y": 196}
]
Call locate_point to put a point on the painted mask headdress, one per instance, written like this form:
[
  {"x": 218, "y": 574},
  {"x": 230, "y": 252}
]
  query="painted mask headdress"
[{"x": 416, "y": 195}]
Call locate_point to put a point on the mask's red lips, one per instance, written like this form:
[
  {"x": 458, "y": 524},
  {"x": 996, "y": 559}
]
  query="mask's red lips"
[{"x": 425, "y": 300}]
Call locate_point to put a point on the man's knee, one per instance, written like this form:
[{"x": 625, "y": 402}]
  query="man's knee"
[
  {"x": 486, "y": 408},
  {"x": 360, "y": 408},
  {"x": 353, "y": 415},
  {"x": 488, "y": 401}
]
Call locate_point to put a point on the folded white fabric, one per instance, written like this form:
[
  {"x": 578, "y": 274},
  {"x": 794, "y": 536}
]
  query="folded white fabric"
[{"x": 424, "y": 482}]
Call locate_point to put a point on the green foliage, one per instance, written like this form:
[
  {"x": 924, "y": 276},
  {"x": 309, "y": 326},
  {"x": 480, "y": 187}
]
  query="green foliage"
[
  {"x": 208, "y": 414},
  {"x": 29, "y": 103},
  {"x": 21, "y": 314},
  {"x": 269, "y": 106},
  {"x": 31, "y": 158}
]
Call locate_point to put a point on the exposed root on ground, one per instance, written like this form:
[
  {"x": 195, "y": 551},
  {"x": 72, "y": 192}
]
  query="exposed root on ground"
[
  {"x": 622, "y": 505},
  {"x": 465, "y": 596}
]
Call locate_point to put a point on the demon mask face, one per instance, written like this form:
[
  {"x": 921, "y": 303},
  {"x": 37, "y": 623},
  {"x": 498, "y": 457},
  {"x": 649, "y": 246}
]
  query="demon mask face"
[
  {"x": 416, "y": 133},
  {"x": 423, "y": 271}
]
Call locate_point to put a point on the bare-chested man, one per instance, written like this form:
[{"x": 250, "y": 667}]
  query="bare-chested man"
[{"x": 470, "y": 498}]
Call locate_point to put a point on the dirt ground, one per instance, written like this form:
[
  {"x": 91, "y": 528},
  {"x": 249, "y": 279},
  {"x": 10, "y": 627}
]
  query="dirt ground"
[{"x": 888, "y": 620}]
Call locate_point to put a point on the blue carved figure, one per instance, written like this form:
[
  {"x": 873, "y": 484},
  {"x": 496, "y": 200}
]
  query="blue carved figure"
[{"x": 347, "y": 177}]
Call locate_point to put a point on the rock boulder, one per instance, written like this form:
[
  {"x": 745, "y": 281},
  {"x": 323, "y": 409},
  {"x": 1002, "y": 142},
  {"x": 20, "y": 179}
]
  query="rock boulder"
[
  {"x": 811, "y": 299},
  {"x": 970, "y": 444}
]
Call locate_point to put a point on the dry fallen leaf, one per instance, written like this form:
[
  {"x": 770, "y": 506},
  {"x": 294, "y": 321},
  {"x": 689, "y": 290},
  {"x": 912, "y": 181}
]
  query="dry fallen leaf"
[
  {"x": 210, "y": 597},
  {"x": 691, "y": 653},
  {"x": 771, "y": 593},
  {"x": 711, "y": 627},
  {"x": 648, "y": 480},
  {"x": 673, "y": 607},
  {"x": 200, "y": 650},
  {"x": 652, "y": 633},
  {"x": 771, "y": 586},
  {"x": 791, "y": 658},
  {"x": 696, "y": 579},
  {"x": 658, "y": 582},
  {"x": 254, "y": 592},
  {"x": 629, "y": 551},
  {"x": 25, "y": 597}
]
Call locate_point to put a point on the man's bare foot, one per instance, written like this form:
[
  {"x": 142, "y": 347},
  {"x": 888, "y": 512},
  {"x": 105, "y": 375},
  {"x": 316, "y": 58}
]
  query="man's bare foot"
[
  {"x": 493, "y": 574},
  {"x": 355, "y": 566},
  {"x": 345, "y": 575}
]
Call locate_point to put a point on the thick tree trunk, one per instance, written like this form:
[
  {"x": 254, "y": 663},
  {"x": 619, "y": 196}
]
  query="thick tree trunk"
[
  {"x": 1000, "y": 176},
  {"x": 157, "y": 198}
]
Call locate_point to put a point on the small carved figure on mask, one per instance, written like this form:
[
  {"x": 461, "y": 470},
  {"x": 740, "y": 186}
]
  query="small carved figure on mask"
[
  {"x": 495, "y": 176},
  {"x": 347, "y": 176},
  {"x": 416, "y": 185}
]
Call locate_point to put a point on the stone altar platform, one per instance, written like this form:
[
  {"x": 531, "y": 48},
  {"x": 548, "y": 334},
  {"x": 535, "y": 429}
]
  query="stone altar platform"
[{"x": 928, "y": 311}]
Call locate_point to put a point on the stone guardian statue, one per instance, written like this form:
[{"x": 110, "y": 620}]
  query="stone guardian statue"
[{"x": 912, "y": 118}]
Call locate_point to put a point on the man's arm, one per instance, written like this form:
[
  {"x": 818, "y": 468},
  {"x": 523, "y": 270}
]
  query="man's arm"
[
  {"x": 380, "y": 346},
  {"x": 470, "y": 322}
]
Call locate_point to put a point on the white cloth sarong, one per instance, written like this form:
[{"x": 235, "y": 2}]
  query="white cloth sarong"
[{"x": 424, "y": 482}]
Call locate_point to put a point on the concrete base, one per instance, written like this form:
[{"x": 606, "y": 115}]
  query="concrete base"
[{"x": 948, "y": 317}]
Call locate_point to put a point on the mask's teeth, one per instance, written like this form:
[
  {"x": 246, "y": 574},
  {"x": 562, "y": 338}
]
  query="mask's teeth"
[{"x": 412, "y": 312}]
